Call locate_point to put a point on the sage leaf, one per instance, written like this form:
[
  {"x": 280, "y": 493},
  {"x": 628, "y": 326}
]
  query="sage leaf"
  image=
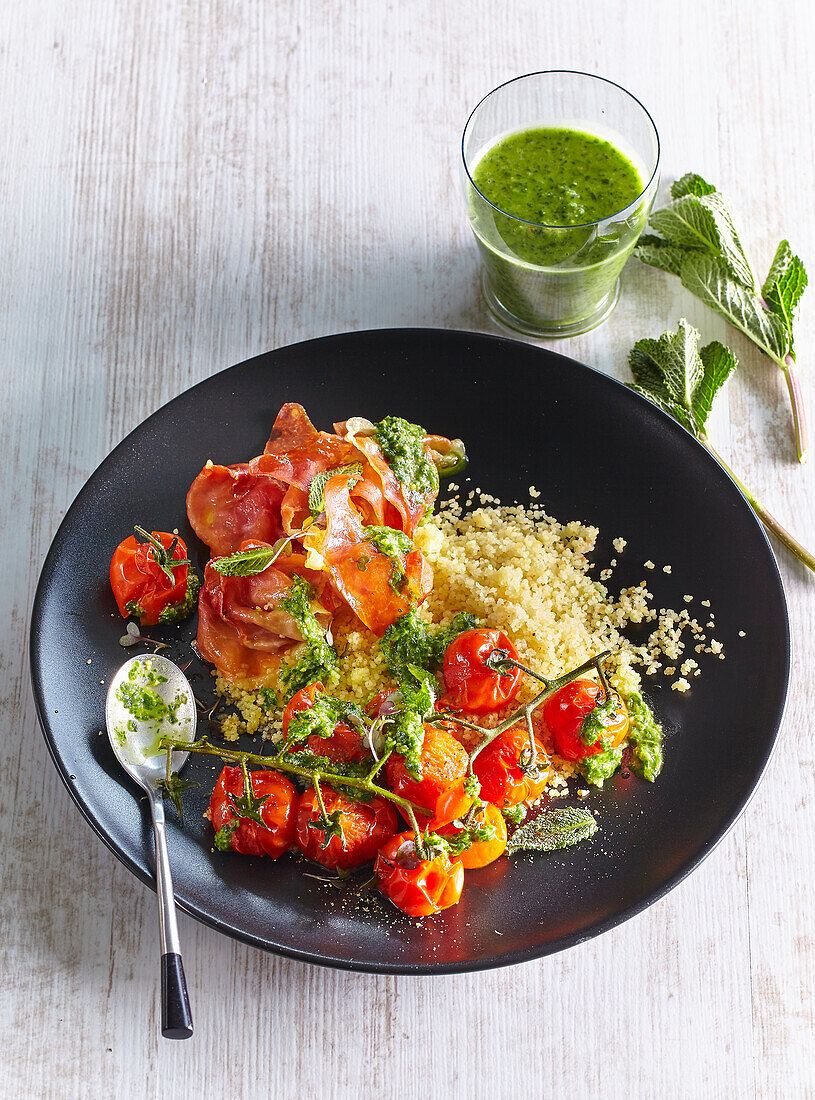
[
  {"x": 709, "y": 281},
  {"x": 558, "y": 828}
]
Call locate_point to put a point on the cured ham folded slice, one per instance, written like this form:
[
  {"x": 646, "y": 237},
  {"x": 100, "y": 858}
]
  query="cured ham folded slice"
[
  {"x": 242, "y": 629},
  {"x": 359, "y": 573},
  {"x": 398, "y": 508},
  {"x": 296, "y": 452},
  {"x": 227, "y": 505}
]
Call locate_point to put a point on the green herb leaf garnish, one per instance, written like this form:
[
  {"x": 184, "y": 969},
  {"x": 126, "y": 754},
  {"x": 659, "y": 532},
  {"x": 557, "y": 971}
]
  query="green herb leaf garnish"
[
  {"x": 553, "y": 829},
  {"x": 316, "y": 489},
  {"x": 683, "y": 380},
  {"x": 698, "y": 242},
  {"x": 248, "y": 563}
]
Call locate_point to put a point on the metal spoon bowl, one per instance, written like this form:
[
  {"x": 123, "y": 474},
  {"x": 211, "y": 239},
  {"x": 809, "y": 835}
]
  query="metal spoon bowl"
[{"x": 135, "y": 726}]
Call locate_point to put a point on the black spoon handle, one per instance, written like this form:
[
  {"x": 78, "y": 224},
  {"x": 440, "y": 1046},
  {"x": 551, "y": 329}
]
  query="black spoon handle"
[{"x": 176, "y": 1018}]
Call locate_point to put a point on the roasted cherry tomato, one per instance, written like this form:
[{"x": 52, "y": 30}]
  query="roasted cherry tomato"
[
  {"x": 145, "y": 582},
  {"x": 443, "y": 767},
  {"x": 564, "y": 712},
  {"x": 419, "y": 887},
  {"x": 498, "y": 768},
  {"x": 482, "y": 852},
  {"x": 277, "y": 809},
  {"x": 366, "y": 826},
  {"x": 344, "y": 744},
  {"x": 471, "y": 685}
]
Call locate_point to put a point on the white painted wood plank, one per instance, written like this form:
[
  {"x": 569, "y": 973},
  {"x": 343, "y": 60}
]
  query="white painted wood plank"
[{"x": 185, "y": 185}]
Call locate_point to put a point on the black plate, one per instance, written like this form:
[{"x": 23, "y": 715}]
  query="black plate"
[{"x": 598, "y": 453}]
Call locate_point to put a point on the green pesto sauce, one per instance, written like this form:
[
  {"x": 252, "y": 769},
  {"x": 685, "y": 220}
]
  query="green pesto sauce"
[
  {"x": 554, "y": 177},
  {"x": 402, "y": 444},
  {"x": 393, "y": 544},
  {"x": 138, "y": 694},
  {"x": 317, "y": 660}
]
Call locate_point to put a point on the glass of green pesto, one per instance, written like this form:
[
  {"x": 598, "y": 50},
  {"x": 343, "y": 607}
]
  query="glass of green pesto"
[{"x": 560, "y": 170}]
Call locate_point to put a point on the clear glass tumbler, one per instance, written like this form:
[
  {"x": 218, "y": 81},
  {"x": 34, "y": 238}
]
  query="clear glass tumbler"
[{"x": 558, "y": 280}]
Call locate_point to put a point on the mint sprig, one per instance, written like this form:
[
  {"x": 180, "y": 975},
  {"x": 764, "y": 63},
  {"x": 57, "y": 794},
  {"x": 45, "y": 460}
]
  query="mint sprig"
[
  {"x": 696, "y": 239},
  {"x": 248, "y": 563},
  {"x": 683, "y": 380}
]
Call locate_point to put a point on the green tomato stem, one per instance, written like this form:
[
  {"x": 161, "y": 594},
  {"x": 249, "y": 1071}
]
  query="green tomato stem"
[{"x": 280, "y": 764}]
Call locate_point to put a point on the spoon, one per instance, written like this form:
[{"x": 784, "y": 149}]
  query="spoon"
[{"x": 150, "y": 698}]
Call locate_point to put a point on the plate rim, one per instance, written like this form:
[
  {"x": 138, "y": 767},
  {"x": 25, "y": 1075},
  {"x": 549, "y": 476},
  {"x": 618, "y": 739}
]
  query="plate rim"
[{"x": 508, "y": 958}]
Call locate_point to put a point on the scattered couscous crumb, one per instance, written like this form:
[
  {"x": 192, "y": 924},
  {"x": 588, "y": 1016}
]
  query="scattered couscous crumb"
[
  {"x": 705, "y": 603},
  {"x": 649, "y": 564},
  {"x": 687, "y": 599},
  {"x": 742, "y": 633},
  {"x": 680, "y": 685},
  {"x": 619, "y": 545},
  {"x": 666, "y": 568}
]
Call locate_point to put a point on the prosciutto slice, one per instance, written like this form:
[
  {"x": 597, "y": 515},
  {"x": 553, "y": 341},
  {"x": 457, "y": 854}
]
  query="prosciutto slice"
[
  {"x": 397, "y": 508},
  {"x": 228, "y": 504},
  {"x": 297, "y": 452},
  {"x": 359, "y": 573},
  {"x": 242, "y": 629}
]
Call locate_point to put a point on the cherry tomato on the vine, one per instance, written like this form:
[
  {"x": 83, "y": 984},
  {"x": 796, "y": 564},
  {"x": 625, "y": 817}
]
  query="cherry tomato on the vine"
[
  {"x": 344, "y": 744},
  {"x": 419, "y": 887},
  {"x": 563, "y": 716},
  {"x": 277, "y": 810},
  {"x": 482, "y": 852},
  {"x": 471, "y": 684},
  {"x": 499, "y": 769},
  {"x": 141, "y": 586},
  {"x": 365, "y": 827},
  {"x": 443, "y": 762}
]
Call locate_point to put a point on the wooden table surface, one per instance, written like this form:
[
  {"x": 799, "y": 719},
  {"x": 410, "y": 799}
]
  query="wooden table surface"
[{"x": 186, "y": 184}]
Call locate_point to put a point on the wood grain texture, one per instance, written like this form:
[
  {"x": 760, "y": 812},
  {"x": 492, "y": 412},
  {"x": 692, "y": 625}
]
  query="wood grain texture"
[{"x": 186, "y": 184}]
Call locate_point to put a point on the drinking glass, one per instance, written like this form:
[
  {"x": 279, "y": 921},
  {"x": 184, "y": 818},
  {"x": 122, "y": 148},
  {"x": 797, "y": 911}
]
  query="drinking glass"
[{"x": 568, "y": 281}]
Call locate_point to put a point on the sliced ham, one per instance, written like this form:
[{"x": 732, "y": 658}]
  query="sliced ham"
[
  {"x": 358, "y": 572},
  {"x": 228, "y": 504}
]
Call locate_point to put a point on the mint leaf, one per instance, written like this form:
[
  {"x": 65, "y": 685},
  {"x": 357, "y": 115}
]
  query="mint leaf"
[
  {"x": 691, "y": 184},
  {"x": 248, "y": 563},
  {"x": 658, "y": 253},
  {"x": 316, "y": 489},
  {"x": 679, "y": 378},
  {"x": 718, "y": 362},
  {"x": 709, "y": 281},
  {"x": 705, "y": 223},
  {"x": 553, "y": 829},
  {"x": 785, "y": 283},
  {"x": 699, "y": 243}
]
